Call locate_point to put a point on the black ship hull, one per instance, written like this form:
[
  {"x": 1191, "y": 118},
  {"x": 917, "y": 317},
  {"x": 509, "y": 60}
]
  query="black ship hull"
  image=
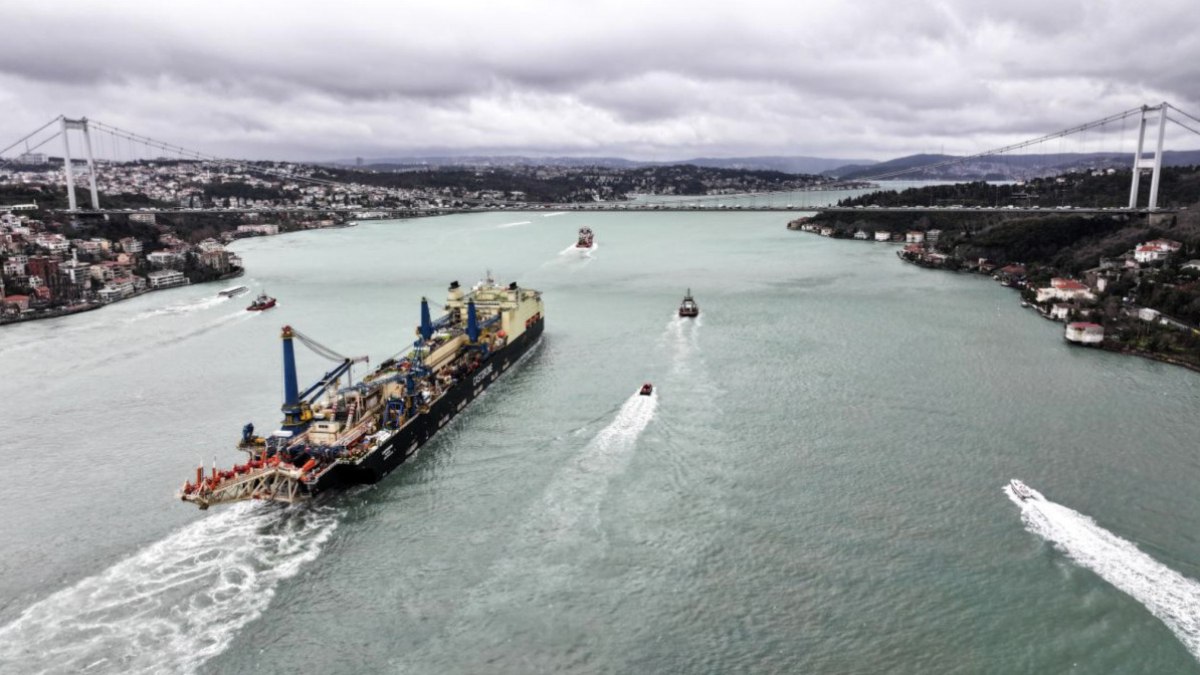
[{"x": 407, "y": 442}]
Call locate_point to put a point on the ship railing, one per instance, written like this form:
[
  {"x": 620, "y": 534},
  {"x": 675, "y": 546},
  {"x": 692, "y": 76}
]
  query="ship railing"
[{"x": 279, "y": 483}]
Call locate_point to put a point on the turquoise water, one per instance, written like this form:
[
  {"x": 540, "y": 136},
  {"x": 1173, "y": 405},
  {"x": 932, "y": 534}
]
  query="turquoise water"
[{"x": 815, "y": 487}]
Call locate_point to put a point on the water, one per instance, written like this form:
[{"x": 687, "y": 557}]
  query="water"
[{"x": 814, "y": 487}]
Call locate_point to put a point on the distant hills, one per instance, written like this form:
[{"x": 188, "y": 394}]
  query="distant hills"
[
  {"x": 1000, "y": 167},
  {"x": 786, "y": 164},
  {"x": 1005, "y": 167}
]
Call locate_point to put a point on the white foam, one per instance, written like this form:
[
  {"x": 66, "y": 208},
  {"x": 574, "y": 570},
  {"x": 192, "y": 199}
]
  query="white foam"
[
  {"x": 556, "y": 213},
  {"x": 681, "y": 340},
  {"x": 581, "y": 252},
  {"x": 1168, "y": 595},
  {"x": 175, "y": 604},
  {"x": 523, "y": 222},
  {"x": 569, "y": 509},
  {"x": 181, "y": 308}
]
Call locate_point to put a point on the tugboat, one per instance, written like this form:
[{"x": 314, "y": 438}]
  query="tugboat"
[
  {"x": 647, "y": 389},
  {"x": 263, "y": 301},
  {"x": 585, "y": 238},
  {"x": 340, "y": 432},
  {"x": 689, "y": 308}
]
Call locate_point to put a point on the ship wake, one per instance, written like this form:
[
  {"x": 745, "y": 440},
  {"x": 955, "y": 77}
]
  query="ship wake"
[
  {"x": 681, "y": 339},
  {"x": 181, "y": 308},
  {"x": 516, "y": 224},
  {"x": 561, "y": 533},
  {"x": 571, "y": 505},
  {"x": 574, "y": 250},
  {"x": 1171, "y": 597},
  {"x": 175, "y": 604}
]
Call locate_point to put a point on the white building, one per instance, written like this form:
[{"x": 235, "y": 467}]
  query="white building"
[
  {"x": 1084, "y": 333},
  {"x": 1064, "y": 289},
  {"x": 265, "y": 229},
  {"x": 166, "y": 278},
  {"x": 164, "y": 259},
  {"x": 1060, "y": 311},
  {"x": 914, "y": 237},
  {"x": 1156, "y": 250},
  {"x": 883, "y": 235},
  {"x": 862, "y": 234}
]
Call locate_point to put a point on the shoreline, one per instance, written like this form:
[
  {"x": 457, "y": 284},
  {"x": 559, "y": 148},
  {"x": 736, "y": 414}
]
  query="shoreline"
[
  {"x": 58, "y": 314},
  {"x": 1107, "y": 346}
]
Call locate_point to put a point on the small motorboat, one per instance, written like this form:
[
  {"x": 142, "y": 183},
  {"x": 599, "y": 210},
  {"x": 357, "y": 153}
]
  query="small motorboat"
[
  {"x": 647, "y": 389},
  {"x": 263, "y": 301},
  {"x": 689, "y": 308},
  {"x": 1021, "y": 490},
  {"x": 585, "y": 238},
  {"x": 232, "y": 291}
]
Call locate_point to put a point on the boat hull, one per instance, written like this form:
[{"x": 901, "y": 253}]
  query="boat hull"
[{"x": 407, "y": 442}]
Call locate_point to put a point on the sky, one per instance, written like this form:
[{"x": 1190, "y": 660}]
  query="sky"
[{"x": 653, "y": 80}]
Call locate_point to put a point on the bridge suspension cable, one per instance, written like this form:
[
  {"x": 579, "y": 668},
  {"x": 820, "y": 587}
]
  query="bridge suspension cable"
[{"x": 205, "y": 157}]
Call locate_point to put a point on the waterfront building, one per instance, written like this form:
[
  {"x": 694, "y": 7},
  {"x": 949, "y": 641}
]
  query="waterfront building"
[
  {"x": 217, "y": 260},
  {"x": 1060, "y": 311},
  {"x": 1084, "y": 333},
  {"x": 1064, "y": 289},
  {"x": 861, "y": 234},
  {"x": 165, "y": 259},
  {"x": 20, "y": 302},
  {"x": 883, "y": 235},
  {"x": 932, "y": 236},
  {"x": 166, "y": 278},
  {"x": 914, "y": 237}
]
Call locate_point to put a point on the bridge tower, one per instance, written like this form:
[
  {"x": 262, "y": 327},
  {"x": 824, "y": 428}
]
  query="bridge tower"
[
  {"x": 1153, "y": 163},
  {"x": 80, "y": 125}
]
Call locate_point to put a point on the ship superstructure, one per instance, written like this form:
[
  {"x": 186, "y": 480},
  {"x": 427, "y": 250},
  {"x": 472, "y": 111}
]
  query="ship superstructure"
[
  {"x": 586, "y": 238},
  {"x": 340, "y": 432}
]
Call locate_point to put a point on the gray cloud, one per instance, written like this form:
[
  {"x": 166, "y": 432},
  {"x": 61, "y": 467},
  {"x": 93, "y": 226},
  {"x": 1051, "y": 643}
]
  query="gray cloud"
[{"x": 663, "y": 80}]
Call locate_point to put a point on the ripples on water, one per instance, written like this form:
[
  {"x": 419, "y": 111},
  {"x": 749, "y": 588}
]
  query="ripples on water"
[
  {"x": 1171, "y": 597},
  {"x": 175, "y": 604}
]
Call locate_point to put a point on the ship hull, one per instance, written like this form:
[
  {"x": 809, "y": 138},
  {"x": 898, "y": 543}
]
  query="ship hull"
[{"x": 407, "y": 442}]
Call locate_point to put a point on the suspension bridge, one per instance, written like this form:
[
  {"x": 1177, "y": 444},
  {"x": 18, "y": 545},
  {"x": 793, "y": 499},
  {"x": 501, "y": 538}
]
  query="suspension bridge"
[{"x": 1147, "y": 124}]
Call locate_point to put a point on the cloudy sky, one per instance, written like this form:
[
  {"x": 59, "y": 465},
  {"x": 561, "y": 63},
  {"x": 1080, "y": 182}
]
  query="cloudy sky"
[{"x": 651, "y": 80}]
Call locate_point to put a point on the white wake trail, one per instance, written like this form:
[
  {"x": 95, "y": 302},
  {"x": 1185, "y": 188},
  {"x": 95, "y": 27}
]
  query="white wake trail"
[
  {"x": 516, "y": 224},
  {"x": 173, "y": 605},
  {"x": 181, "y": 308},
  {"x": 571, "y": 505},
  {"x": 556, "y": 213},
  {"x": 1171, "y": 597}
]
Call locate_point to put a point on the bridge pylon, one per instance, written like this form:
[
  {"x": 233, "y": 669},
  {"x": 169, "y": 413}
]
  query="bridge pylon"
[
  {"x": 1140, "y": 161},
  {"x": 80, "y": 125}
]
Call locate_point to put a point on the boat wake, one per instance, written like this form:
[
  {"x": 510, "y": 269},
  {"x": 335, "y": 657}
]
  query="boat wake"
[
  {"x": 571, "y": 505},
  {"x": 556, "y": 213},
  {"x": 181, "y": 308},
  {"x": 562, "y": 530},
  {"x": 574, "y": 250},
  {"x": 175, "y": 604},
  {"x": 516, "y": 224},
  {"x": 682, "y": 340},
  {"x": 1171, "y": 597}
]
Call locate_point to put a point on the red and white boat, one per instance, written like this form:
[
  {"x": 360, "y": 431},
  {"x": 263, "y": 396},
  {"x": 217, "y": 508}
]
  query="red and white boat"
[
  {"x": 586, "y": 238},
  {"x": 263, "y": 301}
]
